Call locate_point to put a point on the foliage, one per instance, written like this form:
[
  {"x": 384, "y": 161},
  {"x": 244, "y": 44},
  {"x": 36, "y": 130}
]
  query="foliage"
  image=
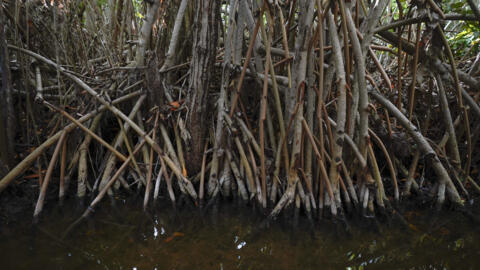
[{"x": 464, "y": 36}]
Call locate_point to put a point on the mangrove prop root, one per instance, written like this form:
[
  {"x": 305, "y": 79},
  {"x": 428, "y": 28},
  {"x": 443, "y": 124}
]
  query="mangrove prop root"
[{"x": 288, "y": 120}]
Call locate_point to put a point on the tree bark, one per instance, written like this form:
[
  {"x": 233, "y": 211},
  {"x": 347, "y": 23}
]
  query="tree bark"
[
  {"x": 172, "y": 48},
  {"x": 201, "y": 69},
  {"x": 306, "y": 12},
  {"x": 338, "y": 136},
  {"x": 145, "y": 32}
]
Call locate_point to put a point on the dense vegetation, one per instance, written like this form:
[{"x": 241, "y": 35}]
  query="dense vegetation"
[{"x": 329, "y": 106}]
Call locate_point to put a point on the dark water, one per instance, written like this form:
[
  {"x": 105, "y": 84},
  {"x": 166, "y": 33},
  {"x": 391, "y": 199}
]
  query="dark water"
[{"x": 233, "y": 237}]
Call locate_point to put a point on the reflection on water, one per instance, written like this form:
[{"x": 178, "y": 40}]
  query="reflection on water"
[{"x": 234, "y": 238}]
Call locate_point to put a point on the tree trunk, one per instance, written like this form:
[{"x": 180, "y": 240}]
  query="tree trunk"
[{"x": 201, "y": 70}]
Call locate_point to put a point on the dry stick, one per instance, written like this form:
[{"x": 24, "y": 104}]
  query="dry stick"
[
  {"x": 419, "y": 19},
  {"x": 202, "y": 172},
  {"x": 377, "y": 176},
  {"x": 320, "y": 196},
  {"x": 411, "y": 173},
  {"x": 248, "y": 17},
  {"x": 249, "y": 136},
  {"x": 447, "y": 118},
  {"x": 346, "y": 48},
  {"x": 144, "y": 148},
  {"x": 40, "y": 174},
  {"x": 157, "y": 183},
  {"x": 263, "y": 110},
  {"x": 362, "y": 83},
  {"x": 292, "y": 175},
  {"x": 255, "y": 174},
  {"x": 329, "y": 127},
  {"x": 409, "y": 36},
  {"x": 246, "y": 165},
  {"x": 440, "y": 195},
  {"x": 411, "y": 100},
  {"x": 271, "y": 132},
  {"x": 217, "y": 143},
  {"x": 380, "y": 68},
  {"x": 61, "y": 190},
  {"x": 475, "y": 68},
  {"x": 341, "y": 105},
  {"x": 436, "y": 8},
  {"x": 82, "y": 159},
  {"x": 453, "y": 169},
  {"x": 389, "y": 125},
  {"x": 129, "y": 149},
  {"x": 302, "y": 41},
  {"x": 178, "y": 142},
  {"x": 25, "y": 163},
  {"x": 368, "y": 26},
  {"x": 183, "y": 185},
  {"x": 351, "y": 143},
  {"x": 351, "y": 188},
  {"x": 48, "y": 175},
  {"x": 102, "y": 192},
  {"x": 320, "y": 18},
  {"x": 321, "y": 135},
  {"x": 423, "y": 145},
  {"x": 168, "y": 179},
  {"x": 236, "y": 173},
  {"x": 84, "y": 128},
  {"x": 310, "y": 114},
  {"x": 245, "y": 64},
  {"x": 225, "y": 181},
  {"x": 322, "y": 167},
  {"x": 284, "y": 43},
  {"x": 110, "y": 159},
  {"x": 171, "y": 152},
  {"x": 401, "y": 168},
  {"x": 348, "y": 201},
  {"x": 145, "y": 31},
  {"x": 276, "y": 172},
  {"x": 234, "y": 35},
  {"x": 366, "y": 195},
  {"x": 168, "y": 144},
  {"x": 399, "y": 72},
  {"x": 243, "y": 157},
  {"x": 119, "y": 113},
  {"x": 281, "y": 148},
  {"x": 442, "y": 68},
  {"x": 310, "y": 189},
  {"x": 305, "y": 199},
  {"x": 445, "y": 137},
  {"x": 175, "y": 36},
  {"x": 393, "y": 173},
  {"x": 39, "y": 88},
  {"x": 102, "y": 72},
  {"x": 474, "y": 184},
  {"x": 410, "y": 49},
  {"x": 460, "y": 100},
  {"x": 150, "y": 165}
]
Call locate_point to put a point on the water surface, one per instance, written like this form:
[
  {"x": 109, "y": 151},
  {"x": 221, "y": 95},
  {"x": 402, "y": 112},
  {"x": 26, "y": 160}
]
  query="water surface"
[{"x": 232, "y": 237}]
